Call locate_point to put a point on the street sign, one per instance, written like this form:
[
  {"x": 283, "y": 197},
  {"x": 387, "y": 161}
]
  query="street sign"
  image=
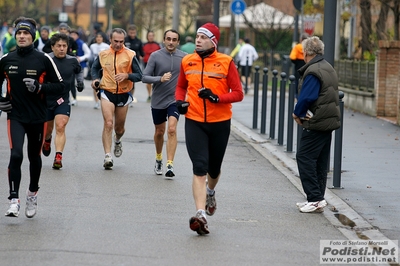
[
  {"x": 238, "y": 7},
  {"x": 298, "y": 4},
  {"x": 63, "y": 17}
]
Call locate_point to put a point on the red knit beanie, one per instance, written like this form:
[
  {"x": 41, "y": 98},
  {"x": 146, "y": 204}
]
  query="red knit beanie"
[{"x": 211, "y": 31}]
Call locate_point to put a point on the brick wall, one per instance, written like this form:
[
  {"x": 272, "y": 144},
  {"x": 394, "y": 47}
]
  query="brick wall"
[{"x": 387, "y": 79}]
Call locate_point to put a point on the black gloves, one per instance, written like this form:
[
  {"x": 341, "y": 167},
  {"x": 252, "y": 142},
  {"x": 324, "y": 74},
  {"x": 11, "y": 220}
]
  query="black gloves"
[
  {"x": 96, "y": 85},
  {"x": 206, "y": 93},
  {"x": 5, "y": 105},
  {"x": 80, "y": 86},
  {"x": 32, "y": 85},
  {"x": 182, "y": 107}
]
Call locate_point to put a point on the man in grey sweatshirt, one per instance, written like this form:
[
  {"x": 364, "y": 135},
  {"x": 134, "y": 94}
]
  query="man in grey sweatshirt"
[{"x": 162, "y": 70}]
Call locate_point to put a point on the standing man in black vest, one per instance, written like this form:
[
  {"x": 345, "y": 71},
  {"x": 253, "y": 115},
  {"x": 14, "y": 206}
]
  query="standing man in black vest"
[{"x": 317, "y": 111}]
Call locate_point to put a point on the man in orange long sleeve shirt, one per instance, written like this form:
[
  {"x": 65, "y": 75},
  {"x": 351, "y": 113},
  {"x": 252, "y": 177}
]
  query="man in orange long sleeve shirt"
[{"x": 210, "y": 83}]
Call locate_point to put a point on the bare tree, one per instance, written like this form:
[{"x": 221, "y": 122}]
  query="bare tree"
[
  {"x": 365, "y": 23},
  {"x": 188, "y": 12},
  {"x": 394, "y": 5},
  {"x": 75, "y": 10},
  {"x": 269, "y": 25},
  {"x": 381, "y": 22}
]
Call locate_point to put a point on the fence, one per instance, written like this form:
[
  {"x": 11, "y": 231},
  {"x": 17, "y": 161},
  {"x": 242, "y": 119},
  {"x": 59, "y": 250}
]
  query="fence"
[
  {"x": 356, "y": 75},
  {"x": 272, "y": 59}
]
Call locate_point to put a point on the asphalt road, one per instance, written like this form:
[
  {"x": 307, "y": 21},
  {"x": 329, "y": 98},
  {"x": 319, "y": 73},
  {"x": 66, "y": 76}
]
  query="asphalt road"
[{"x": 130, "y": 216}]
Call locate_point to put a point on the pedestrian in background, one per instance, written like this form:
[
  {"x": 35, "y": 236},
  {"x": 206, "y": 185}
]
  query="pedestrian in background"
[
  {"x": 58, "y": 107},
  {"x": 297, "y": 58},
  {"x": 162, "y": 71},
  {"x": 8, "y": 43},
  {"x": 236, "y": 50},
  {"x": 317, "y": 112},
  {"x": 83, "y": 54},
  {"x": 135, "y": 44},
  {"x": 247, "y": 55},
  {"x": 148, "y": 48},
  {"x": 40, "y": 42},
  {"x": 30, "y": 76},
  {"x": 72, "y": 46},
  {"x": 120, "y": 70},
  {"x": 208, "y": 84},
  {"x": 95, "y": 49},
  {"x": 189, "y": 46}
]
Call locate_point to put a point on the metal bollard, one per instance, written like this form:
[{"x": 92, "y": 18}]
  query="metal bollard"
[
  {"x": 337, "y": 159},
  {"x": 273, "y": 104},
  {"x": 255, "y": 97},
  {"x": 264, "y": 101},
  {"x": 282, "y": 98},
  {"x": 292, "y": 88}
]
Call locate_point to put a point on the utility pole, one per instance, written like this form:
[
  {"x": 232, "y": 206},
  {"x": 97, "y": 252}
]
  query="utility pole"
[
  {"x": 330, "y": 30},
  {"x": 216, "y": 13},
  {"x": 132, "y": 15},
  {"x": 175, "y": 18}
]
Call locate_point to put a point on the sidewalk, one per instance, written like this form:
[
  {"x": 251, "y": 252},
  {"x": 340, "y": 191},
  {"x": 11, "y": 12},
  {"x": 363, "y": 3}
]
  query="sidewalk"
[{"x": 370, "y": 166}]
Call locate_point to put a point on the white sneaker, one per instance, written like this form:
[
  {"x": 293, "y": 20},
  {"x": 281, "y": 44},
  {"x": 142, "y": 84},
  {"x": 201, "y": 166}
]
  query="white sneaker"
[
  {"x": 170, "y": 171},
  {"x": 313, "y": 206},
  {"x": 97, "y": 105},
  {"x": 301, "y": 204},
  {"x": 31, "y": 205},
  {"x": 108, "y": 162},
  {"x": 13, "y": 211},
  {"x": 158, "y": 167},
  {"x": 118, "y": 149},
  {"x": 74, "y": 102}
]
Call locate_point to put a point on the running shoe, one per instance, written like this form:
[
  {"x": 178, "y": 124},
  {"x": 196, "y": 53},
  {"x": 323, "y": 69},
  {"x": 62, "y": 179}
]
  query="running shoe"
[
  {"x": 118, "y": 149},
  {"x": 199, "y": 224},
  {"x": 170, "y": 171},
  {"x": 313, "y": 206},
  {"x": 57, "y": 164},
  {"x": 211, "y": 204},
  {"x": 31, "y": 204},
  {"x": 46, "y": 149},
  {"x": 108, "y": 162},
  {"x": 149, "y": 99},
  {"x": 13, "y": 210},
  {"x": 97, "y": 105},
  {"x": 74, "y": 102},
  {"x": 301, "y": 204},
  {"x": 158, "y": 167}
]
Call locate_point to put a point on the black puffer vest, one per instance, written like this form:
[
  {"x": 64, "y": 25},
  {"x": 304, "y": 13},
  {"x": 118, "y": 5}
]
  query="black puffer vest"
[{"x": 326, "y": 108}]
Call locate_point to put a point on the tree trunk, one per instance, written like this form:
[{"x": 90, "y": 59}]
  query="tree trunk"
[
  {"x": 365, "y": 24},
  {"x": 381, "y": 23},
  {"x": 396, "y": 12}
]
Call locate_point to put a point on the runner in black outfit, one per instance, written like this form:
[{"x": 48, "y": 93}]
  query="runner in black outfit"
[
  {"x": 59, "y": 109},
  {"x": 30, "y": 75}
]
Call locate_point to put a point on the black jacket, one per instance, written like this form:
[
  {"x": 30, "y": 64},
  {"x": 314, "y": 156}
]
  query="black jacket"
[{"x": 29, "y": 107}]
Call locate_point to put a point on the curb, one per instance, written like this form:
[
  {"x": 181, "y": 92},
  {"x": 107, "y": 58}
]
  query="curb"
[{"x": 351, "y": 224}]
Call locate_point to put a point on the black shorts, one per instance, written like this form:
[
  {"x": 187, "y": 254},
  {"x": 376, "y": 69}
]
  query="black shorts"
[
  {"x": 63, "y": 109},
  {"x": 119, "y": 100},
  {"x": 161, "y": 115},
  {"x": 243, "y": 71},
  {"x": 206, "y": 144}
]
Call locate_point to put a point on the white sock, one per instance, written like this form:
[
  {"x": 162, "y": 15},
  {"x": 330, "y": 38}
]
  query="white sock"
[
  {"x": 210, "y": 191},
  {"x": 203, "y": 212}
]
